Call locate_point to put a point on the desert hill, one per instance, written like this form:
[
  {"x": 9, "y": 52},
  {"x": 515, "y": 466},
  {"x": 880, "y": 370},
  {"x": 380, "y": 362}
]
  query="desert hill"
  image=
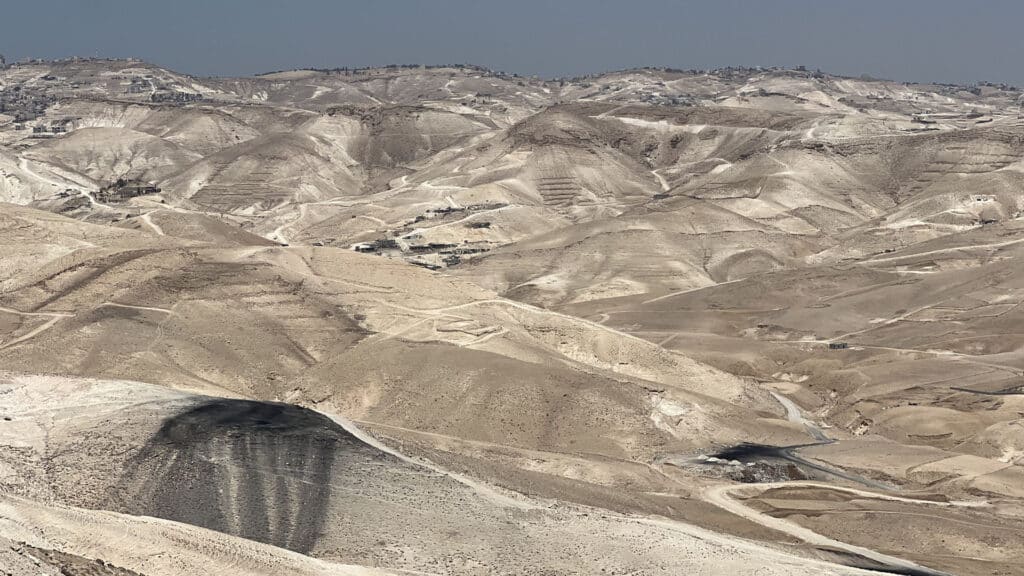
[{"x": 449, "y": 320}]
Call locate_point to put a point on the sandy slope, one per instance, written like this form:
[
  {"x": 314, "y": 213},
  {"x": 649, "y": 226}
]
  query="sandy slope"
[
  {"x": 623, "y": 269},
  {"x": 468, "y": 529}
]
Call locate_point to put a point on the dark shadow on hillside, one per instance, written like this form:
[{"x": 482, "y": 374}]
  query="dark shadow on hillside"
[{"x": 258, "y": 470}]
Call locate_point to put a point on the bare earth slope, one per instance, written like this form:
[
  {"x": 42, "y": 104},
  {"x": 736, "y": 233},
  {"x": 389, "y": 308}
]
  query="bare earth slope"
[
  {"x": 446, "y": 320},
  {"x": 293, "y": 478}
]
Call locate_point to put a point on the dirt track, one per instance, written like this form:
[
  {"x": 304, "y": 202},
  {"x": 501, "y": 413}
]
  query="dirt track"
[{"x": 722, "y": 496}]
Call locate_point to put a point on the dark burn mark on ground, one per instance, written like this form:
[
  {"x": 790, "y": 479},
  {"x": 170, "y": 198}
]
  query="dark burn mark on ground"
[
  {"x": 1011, "y": 391},
  {"x": 258, "y": 470},
  {"x": 857, "y": 561},
  {"x": 750, "y": 452},
  {"x": 901, "y": 571}
]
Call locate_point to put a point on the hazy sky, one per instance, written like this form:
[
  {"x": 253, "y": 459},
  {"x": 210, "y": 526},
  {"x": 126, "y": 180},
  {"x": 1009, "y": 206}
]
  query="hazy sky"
[{"x": 919, "y": 40}]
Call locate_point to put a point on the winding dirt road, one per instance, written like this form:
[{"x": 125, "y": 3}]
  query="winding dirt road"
[
  {"x": 723, "y": 497},
  {"x": 149, "y": 222},
  {"x": 54, "y": 318}
]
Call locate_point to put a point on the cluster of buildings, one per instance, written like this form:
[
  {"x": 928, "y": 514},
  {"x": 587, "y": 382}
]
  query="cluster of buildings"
[
  {"x": 58, "y": 126},
  {"x": 123, "y": 189},
  {"x": 24, "y": 104},
  {"x": 174, "y": 97}
]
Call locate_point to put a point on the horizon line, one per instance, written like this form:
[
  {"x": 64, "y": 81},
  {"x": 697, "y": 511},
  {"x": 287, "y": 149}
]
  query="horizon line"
[{"x": 466, "y": 65}]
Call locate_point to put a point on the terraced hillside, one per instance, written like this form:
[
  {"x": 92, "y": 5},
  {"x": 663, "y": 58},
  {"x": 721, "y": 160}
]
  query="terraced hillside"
[{"x": 446, "y": 320}]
